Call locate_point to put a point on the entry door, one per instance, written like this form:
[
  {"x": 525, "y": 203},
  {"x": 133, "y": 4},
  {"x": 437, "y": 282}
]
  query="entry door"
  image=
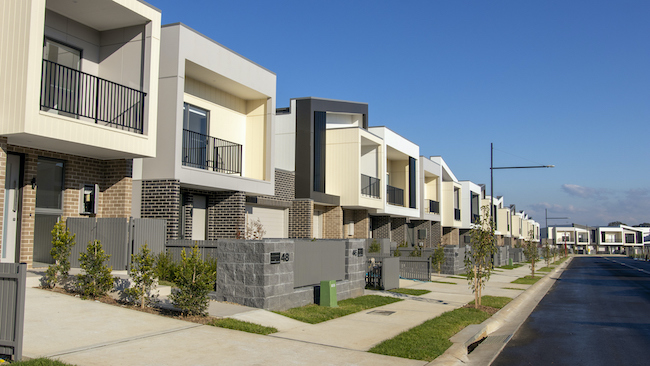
[
  {"x": 11, "y": 209},
  {"x": 199, "y": 215}
]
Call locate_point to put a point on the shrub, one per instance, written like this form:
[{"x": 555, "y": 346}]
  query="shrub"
[
  {"x": 96, "y": 280},
  {"x": 165, "y": 268},
  {"x": 195, "y": 279},
  {"x": 143, "y": 274},
  {"x": 254, "y": 230},
  {"x": 397, "y": 253},
  {"x": 417, "y": 252},
  {"x": 62, "y": 243},
  {"x": 375, "y": 247}
]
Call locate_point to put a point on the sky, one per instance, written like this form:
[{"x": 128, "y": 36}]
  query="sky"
[{"x": 553, "y": 82}]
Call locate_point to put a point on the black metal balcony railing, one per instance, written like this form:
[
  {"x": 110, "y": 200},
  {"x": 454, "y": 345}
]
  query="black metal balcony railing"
[
  {"x": 206, "y": 152},
  {"x": 370, "y": 186},
  {"x": 434, "y": 207},
  {"x": 475, "y": 218},
  {"x": 457, "y": 214},
  {"x": 83, "y": 95},
  {"x": 395, "y": 196}
]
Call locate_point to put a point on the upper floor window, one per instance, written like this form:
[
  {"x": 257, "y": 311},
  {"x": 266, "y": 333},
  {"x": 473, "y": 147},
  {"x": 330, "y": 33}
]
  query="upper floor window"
[
  {"x": 62, "y": 54},
  {"x": 195, "y": 119}
]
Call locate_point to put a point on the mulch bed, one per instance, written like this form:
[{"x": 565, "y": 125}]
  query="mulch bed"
[{"x": 147, "y": 309}]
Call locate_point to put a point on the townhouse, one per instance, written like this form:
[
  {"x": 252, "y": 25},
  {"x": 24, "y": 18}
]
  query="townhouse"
[
  {"x": 78, "y": 103},
  {"x": 215, "y": 147}
]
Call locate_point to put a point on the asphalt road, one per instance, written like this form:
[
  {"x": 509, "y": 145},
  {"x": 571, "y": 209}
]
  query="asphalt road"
[{"x": 597, "y": 313}]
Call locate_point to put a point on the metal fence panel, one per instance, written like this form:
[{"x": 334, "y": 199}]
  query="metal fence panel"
[
  {"x": 113, "y": 233},
  {"x": 43, "y": 225},
  {"x": 12, "y": 308},
  {"x": 84, "y": 230},
  {"x": 415, "y": 268},
  {"x": 148, "y": 231},
  {"x": 207, "y": 248},
  {"x": 319, "y": 260}
]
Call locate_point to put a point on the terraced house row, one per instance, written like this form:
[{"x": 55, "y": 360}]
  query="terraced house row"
[{"x": 105, "y": 113}]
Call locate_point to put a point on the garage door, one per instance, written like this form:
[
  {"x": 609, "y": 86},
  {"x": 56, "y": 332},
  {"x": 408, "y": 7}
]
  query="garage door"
[{"x": 274, "y": 220}]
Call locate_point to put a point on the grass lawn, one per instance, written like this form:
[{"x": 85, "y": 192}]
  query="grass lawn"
[
  {"x": 314, "y": 314},
  {"x": 447, "y": 282},
  {"x": 527, "y": 280},
  {"x": 559, "y": 261},
  {"x": 544, "y": 269},
  {"x": 166, "y": 283},
  {"x": 513, "y": 288},
  {"x": 507, "y": 266},
  {"x": 40, "y": 362},
  {"x": 431, "y": 338},
  {"x": 242, "y": 326},
  {"x": 497, "y": 302},
  {"x": 410, "y": 291},
  {"x": 458, "y": 277}
]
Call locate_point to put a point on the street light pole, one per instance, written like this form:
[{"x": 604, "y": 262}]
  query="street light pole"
[
  {"x": 492, "y": 168},
  {"x": 553, "y": 218}
]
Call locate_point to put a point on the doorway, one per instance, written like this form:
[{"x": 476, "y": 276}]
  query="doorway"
[{"x": 11, "y": 218}]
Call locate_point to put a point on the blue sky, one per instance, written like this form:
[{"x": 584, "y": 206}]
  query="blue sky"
[{"x": 548, "y": 82}]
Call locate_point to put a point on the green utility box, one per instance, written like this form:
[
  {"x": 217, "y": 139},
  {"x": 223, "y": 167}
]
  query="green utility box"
[
  {"x": 328, "y": 293},
  {"x": 510, "y": 261}
]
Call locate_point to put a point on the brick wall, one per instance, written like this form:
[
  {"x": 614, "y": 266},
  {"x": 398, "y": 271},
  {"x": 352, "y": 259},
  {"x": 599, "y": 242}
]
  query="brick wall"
[
  {"x": 300, "y": 219},
  {"x": 381, "y": 227},
  {"x": 361, "y": 224},
  {"x": 226, "y": 214},
  {"x": 398, "y": 229},
  {"x": 450, "y": 236},
  {"x": 333, "y": 222},
  {"x": 436, "y": 233},
  {"x": 117, "y": 188},
  {"x": 422, "y": 225},
  {"x": 161, "y": 200}
]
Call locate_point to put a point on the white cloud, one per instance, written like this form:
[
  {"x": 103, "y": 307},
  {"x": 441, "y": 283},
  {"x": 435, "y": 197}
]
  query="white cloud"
[{"x": 584, "y": 192}]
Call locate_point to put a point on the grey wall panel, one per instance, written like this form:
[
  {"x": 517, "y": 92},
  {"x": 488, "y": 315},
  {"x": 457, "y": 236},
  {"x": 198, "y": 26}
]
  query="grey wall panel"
[
  {"x": 43, "y": 225},
  {"x": 113, "y": 233},
  {"x": 317, "y": 261},
  {"x": 390, "y": 273},
  {"x": 207, "y": 248},
  {"x": 84, "y": 230}
]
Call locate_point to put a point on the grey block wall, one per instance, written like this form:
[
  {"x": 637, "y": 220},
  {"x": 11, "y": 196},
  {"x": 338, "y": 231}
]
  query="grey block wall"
[
  {"x": 454, "y": 260},
  {"x": 516, "y": 254},
  {"x": 501, "y": 257},
  {"x": 246, "y": 276}
]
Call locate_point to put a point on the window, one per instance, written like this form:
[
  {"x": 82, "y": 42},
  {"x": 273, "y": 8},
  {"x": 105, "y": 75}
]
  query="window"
[
  {"x": 61, "y": 78},
  {"x": 89, "y": 197},
  {"x": 49, "y": 180},
  {"x": 195, "y": 137},
  {"x": 195, "y": 119}
]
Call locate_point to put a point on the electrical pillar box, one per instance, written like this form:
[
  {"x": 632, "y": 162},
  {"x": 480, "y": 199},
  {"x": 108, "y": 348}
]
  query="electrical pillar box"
[{"x": 328, "y": 293}]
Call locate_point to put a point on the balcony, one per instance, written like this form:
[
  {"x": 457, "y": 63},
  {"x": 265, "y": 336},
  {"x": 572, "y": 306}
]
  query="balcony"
[
  {"x": 395, "y": 196},
  {"x": 434, "y": 207},
  {"x": 76, "y": 94},
  {"x": 457, "y": 214},
  {"x": 370, "y": 186},
  {"x": 210, "y": 153}
]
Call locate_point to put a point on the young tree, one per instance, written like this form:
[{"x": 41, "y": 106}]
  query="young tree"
[
  {"x": 531, "y": 252},
  {"x": 547, "y": 253},
  {"x": 438, "y": 257},
  {"x": 195, "y": 279},
  {"x": 143, "y": 275},
  {"x": 478, "y": 260},
  {"x": 62, "y": 243},
  {"x": 96, "y": 280}
]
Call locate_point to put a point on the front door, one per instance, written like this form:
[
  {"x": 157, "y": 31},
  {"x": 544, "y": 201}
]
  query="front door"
[
  {"x": 11, "y": 210},
  {"x": 199, "y": 216}
]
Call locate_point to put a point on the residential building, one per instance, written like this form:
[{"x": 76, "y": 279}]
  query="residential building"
[
  {"x": 450, "y": 204},
  {"x": 78, "y": 102},
  {"x": 430, "y": 194},
  {"x": 215, "y": 143}
]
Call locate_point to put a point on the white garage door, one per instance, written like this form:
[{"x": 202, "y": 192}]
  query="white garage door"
[{"x": 274, "y": 220}]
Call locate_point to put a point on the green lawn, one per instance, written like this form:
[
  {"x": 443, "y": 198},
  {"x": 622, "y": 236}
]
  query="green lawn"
[
  {"x": 242, "y": 326},
  {"x": 40, "y": 362},
  {"x": 316, "y": 314},
  {"x": 409, "y": 291},
  {"x": 493, "y": 301},
  {"x": 447, "y": 282},
  {"x": 527, "y": 280},
  {"x": 431, "y": 338},
  {"x": 513, "y": 288},
  {"x": 544, "y": 269},
  {"x": 507, "y": 266}
]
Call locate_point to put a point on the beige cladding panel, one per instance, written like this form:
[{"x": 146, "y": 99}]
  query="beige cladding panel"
[
  {"x": 255, "y": 147},
  {"x": 342, "y": 177}
]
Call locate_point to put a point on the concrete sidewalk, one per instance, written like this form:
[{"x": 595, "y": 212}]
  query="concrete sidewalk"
[{"x": 92, "y": 333}]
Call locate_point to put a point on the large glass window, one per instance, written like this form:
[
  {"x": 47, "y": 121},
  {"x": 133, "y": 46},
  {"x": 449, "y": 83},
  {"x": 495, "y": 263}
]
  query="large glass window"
[
  {"x": 49, "y": 183},
  {"x": 195, "y": 119},
  {"x": 195, "y": 137}
]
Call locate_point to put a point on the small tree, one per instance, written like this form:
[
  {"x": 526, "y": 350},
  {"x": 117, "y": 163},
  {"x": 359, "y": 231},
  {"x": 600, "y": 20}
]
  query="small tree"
[
  {"x": 375, "y": 247},
  {"x": 478, "y": 260},
  {"x": 416, "y": 252},
  {"x": 254, "y": 230},
  {"x": 96, "y": 280},
  {"x": 438, "y": 257},
  {"x": 195, "y": 279},
  {"x": 62, "y": 243},
  {"x": 143, "y": 275},
  {"x": 547, "y": 254},
  {"x": 531, "y": 252},
  {"x": 165, "y": 267}
]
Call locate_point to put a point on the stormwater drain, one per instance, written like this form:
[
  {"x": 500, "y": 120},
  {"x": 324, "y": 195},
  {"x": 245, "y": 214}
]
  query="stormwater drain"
[
  {"x": 500, "y": 339},
  {"x": 381, "y": 312}
]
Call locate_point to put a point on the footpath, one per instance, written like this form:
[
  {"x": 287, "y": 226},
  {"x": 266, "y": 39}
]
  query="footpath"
[{"x": 84, "y": 332}]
